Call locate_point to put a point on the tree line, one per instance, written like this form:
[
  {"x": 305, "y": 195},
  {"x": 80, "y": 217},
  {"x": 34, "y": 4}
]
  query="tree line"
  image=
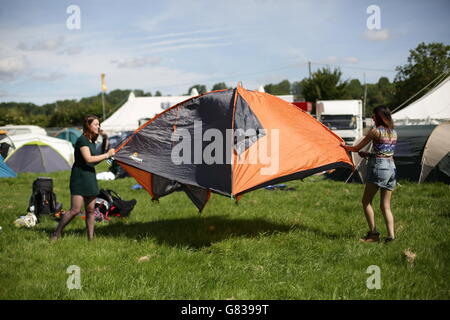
[{"x": 425, "y": 63}]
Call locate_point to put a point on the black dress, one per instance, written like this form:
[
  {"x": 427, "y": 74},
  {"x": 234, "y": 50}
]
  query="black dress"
[{"x": 83, "y": 180}]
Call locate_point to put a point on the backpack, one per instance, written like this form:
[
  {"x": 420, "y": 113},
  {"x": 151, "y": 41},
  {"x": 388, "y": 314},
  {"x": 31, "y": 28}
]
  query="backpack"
[
  {"x": 109, "y": 203},
  {"x": 43, "y": 199}
]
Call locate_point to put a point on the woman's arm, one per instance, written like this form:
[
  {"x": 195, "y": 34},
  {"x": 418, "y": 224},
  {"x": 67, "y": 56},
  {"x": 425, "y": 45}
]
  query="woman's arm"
[
  {"x": 369, "y": 137},
  {"x": 86, "y": 153}
]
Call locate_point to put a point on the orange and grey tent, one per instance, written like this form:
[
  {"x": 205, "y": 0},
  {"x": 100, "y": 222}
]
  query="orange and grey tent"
[{"x": 228, "y": 142}]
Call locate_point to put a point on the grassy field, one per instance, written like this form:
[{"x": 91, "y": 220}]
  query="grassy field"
[{"x": 300, "y": 244}]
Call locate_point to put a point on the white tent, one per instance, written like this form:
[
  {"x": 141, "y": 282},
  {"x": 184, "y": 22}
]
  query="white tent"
[
  {"x": 128, "y": 116},
  {"x": 20, "y": 129},
  {"x": 64, "y": 147},
  {"x": 432, "y": 108}
]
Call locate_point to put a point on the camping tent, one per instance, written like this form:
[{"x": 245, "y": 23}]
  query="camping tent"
[
  {"x": 5, "y": 171},
  {"x": 138, "y": 110},
  {"x": 22, "y": 129},
  {"x": 229, "y": 142},
  {"x": 36, "y": 156},
  {"x": 432, "y": 108},
  {"x": 69, "y": 134},
  {"x": 65, "y": 148},
  {"x": 436, "y": 155}
]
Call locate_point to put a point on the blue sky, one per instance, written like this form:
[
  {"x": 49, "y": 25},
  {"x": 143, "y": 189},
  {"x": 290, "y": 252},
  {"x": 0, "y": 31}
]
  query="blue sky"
[{"x": 171, "y": 45}]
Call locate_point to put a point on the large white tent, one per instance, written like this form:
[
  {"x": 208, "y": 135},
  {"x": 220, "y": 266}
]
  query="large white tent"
[
  {"x": 432, "y": 108},
  {"x": 128, "y": 116}
]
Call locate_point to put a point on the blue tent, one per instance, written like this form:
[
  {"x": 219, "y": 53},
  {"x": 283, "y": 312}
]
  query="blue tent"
[
  {"x": 5, "y": 171},
  {"x": 70, "y": 134}
]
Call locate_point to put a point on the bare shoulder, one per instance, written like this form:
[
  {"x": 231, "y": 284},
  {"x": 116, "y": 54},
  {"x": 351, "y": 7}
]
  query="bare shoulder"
[{"x": 374, "y": 133}]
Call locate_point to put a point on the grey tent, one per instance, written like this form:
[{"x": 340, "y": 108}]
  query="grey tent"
[{"x": 36, "y": 157}]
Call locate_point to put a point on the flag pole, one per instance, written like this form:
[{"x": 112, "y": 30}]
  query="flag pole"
[{"x": 103, "y": 95}]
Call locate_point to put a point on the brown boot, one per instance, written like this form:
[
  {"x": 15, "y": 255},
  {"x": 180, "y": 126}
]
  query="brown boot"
[{"x": 371, "y": 237}]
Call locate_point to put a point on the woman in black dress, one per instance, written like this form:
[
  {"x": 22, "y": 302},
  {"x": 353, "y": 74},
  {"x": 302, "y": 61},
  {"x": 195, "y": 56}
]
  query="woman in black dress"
[{"x": 83, "y": 180}]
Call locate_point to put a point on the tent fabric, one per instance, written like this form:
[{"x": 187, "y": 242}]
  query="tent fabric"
[
  {"x": 233, "y": 127},
  {"x": 435, "y": 105},
  {"x": 5, "y": 170},
  {"x": 69, "y": 134},
  {"x": 36, "y": 157},
  {"x": 64, "y": 147},
  {"x": 435, "y": 152}
]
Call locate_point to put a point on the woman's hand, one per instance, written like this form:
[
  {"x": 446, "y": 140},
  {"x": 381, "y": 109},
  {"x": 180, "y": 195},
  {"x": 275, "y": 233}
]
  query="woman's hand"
[
  {"x": 111, "y": 152},
  {"x": 346, "y": 147},
  {"x": 363, "y": 154}
]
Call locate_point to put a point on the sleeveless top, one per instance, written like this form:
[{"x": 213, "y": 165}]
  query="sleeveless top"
[{"x": 385, "y": 145}]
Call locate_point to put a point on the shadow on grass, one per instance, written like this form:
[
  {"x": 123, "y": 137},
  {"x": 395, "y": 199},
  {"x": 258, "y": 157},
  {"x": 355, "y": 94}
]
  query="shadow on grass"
[{"x": 198, "y": 232}]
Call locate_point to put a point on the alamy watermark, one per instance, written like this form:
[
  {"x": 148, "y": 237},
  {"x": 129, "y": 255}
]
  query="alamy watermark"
[
  {"x": 73, "y": 22},
  {"x": 374, "y": 281},
  {"x": 374, "y": 20},
  {"x": 74, "y": 279},
  {"x": 261, "y": 147}
]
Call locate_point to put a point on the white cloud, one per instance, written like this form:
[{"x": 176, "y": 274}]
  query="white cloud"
[
  {"x": 48, "y": 77},
  {"x": 351, "y": 60},
  {"x": 11, "y": 67},
  {"x": 137, "y": 62},
  {"x": 43, "y": 45},
  {"x": 377, "y": 35}
]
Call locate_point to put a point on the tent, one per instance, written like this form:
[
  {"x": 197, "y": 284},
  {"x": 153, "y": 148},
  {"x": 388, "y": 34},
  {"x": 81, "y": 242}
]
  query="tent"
[
  {"x": 65, "y": 148},
  {"x": 36, "y": 156},
  {"x": 229, "y": 142},
  {"x": 436, "y": 155},
  {"x": 5, "y": 171},
  {"x": 22, "y": 129},
  {"x": 432, "y": 108},
  {"x": 69, "y": 134},
  {"x": 138, "y": 110}
]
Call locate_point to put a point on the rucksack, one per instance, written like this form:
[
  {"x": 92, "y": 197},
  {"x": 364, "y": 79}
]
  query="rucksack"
[
  {"x": 109, "y": 203},
  {"x": 43, "y": 199}
]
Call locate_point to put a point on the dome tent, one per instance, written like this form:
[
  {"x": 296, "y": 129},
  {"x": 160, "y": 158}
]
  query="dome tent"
[
  {"x": 36, "y": 156},
  {"x": 242, "y": 123},
  {"x": 64, "y": 147}
]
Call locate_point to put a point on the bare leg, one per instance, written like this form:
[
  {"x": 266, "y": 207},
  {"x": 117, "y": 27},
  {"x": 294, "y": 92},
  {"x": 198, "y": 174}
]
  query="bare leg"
[
  {"x": 90, "y": 216},
  {"x": 369, "y": 192},
  {"x": 77, "y": 202},
  {"x": 385, "y": 205}
]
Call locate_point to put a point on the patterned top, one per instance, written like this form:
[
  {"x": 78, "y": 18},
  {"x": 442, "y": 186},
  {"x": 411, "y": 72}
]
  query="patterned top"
[{"x": 385, "y": 146}]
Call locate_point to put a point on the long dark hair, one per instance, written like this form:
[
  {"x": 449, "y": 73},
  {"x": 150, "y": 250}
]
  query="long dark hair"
[
  {"x": 86, "y": 131},
  {"x": 383, "y": 117}
]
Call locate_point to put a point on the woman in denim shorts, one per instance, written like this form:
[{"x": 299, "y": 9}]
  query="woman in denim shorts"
[{"x": 381, "y": 172}]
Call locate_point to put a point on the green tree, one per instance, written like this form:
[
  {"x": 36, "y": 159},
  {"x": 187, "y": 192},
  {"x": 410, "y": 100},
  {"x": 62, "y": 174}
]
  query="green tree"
[
  {"x": 355, "y": 90},
  {"x": 425, "y": 63},
  {"x": 282, "y": 88},
  {"x": 219, "y": 86},
  {"x": 325, "y": 84},
  {"x": 158, "y": 93}
]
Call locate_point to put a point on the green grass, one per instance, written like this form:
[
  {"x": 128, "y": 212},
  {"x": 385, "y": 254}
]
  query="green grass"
[{"x": 300, "y": 244}]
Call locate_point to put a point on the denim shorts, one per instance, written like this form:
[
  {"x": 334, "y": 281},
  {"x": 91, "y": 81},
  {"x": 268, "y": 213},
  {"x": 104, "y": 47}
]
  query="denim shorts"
[{"x": 382, "y": 172}]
